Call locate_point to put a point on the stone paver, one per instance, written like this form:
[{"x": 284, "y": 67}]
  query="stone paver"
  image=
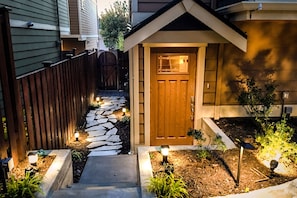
[{"x": 100, "y": 127}]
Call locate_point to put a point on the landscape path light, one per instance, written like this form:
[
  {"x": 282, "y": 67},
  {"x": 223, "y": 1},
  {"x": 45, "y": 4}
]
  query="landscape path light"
[
  {"x": 76, "y": 135},
  {"x": 124, "y": 110},
  {"x": 243, "y": 146},
  {"x": 165, "y": 152},
  {"x": 33, "y": 158},
  {"x": 98, "y": 99}
]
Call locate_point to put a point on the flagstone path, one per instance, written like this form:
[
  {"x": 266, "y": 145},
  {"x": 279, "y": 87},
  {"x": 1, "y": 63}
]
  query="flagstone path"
[{"x": 100, "y": 127}]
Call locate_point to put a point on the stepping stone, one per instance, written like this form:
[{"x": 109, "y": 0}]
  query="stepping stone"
[
  {"x": 90, "y": 118},
  {"x": 95, "y": 128},
  {"x": 114, "y": 138},
  {"x": 113, "y": 120},
  {"x": 103, "y": 153},
  {"x": 96, "y": 144},
  {"x": 91, "y": 113},
  {"x": 112, "y": 116},
  {"x": 96, "y": 133},
  {"x": 106, "y": 113},
  {"x": 114, "y": 143},
  {"x": 107, "y": 148},
  {"x": 93, "y": 123},
  {"x": 98, "y": 138},
  {"x": 112, "y": 131},
  {"x": 102, "y": 120},
  {"x": 107, "y": 125},
  {"x": 99, "y": 112},
  {"x": 98, "y": 117}
]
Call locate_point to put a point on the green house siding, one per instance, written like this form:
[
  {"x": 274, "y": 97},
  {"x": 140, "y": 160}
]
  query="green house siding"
[{"x": 41, "y": 42}]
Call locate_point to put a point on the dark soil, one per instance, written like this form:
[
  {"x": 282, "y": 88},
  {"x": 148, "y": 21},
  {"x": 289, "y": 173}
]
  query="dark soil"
[{"x": 216, "y": 175}]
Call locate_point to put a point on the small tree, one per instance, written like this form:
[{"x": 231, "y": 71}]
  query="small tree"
[
  {"x": 258, "y": 101},
  {"x": 114, "y": 24}
]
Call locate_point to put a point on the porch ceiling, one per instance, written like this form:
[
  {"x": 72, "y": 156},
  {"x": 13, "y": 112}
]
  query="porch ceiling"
[{"x": 202, "y": 19}]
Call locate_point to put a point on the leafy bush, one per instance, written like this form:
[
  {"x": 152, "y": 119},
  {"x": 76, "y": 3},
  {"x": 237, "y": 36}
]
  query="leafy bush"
[
  {"x": 276, "y": 140},
  {"x": 166, "y": 185},
  {"x": 25, "y": 187},
  {"x": 258, "y": 101},
  {"x": 76, "y": 155},
  {"x": 203, "y": 154},
  {"x": 220, "y": 144},
  {"x": 197, "y": 135}
]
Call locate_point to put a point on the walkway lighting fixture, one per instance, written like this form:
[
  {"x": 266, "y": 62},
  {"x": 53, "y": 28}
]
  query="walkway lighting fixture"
[
  {"x": 98, "y": 99},
  {"x": 33, "y": 157},
  {"x": 124, "y": 110},
  {"x": 76, "y": 135},
  {"x": 243, "y": 146},
  {"x": 165, "y": 152}
]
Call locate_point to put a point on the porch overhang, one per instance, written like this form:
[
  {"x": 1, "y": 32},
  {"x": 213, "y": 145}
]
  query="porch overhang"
[{"x": 152, "y": 25}]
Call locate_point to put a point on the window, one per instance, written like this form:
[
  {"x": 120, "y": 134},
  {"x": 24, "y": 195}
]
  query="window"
[{"x": 172, "y": 64}]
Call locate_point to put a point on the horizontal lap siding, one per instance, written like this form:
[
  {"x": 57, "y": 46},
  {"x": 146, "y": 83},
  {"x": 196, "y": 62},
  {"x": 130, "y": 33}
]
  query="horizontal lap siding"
[
  {"x": 269, "y": 52},
  {"x": 33, "y": 46},
  {"x": 73, "y": 15},
  {"x": 89, "y": 18}
]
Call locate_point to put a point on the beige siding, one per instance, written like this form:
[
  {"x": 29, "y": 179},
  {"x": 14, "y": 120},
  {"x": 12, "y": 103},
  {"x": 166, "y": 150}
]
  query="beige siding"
[
  {"x": 271, "y": 51},
  {"x": 210, "y": 75},
  {"x": 141, "y": 96}
]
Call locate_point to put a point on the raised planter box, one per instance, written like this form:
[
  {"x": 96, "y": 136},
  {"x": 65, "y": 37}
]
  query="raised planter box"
[
  {"x": 287, "y": 189},
  {"x": 59, "y": 175}
]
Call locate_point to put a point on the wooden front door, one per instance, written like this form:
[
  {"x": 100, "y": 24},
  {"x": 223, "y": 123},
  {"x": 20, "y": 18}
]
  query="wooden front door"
[{"x": 172, "y": 94}]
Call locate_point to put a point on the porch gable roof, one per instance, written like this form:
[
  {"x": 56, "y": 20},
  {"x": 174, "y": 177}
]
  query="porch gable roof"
[{"x": 177, "y": 8}]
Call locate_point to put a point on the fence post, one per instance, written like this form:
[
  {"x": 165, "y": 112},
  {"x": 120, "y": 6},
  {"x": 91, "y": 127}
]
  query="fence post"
[{"x": 11, "y": 94}]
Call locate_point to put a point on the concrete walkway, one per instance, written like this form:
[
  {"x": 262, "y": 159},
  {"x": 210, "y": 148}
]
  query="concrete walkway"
[{"x": 107, "y": 177}]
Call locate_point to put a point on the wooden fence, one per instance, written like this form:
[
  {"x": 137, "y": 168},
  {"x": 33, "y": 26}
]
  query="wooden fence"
[{"x": 53, "y": 101}]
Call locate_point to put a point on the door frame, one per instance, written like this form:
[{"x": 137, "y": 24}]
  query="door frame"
[{"x": 200, "y": 68}]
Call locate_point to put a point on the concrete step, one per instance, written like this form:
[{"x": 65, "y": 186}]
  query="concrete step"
[{"x": 98, "y": 191}]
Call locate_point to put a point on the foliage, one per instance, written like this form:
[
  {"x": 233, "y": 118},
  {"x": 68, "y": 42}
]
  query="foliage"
[
  {"x": 220, "y": 144},
  {"x": 197, "y": 135},
  {"x": 125, "y": 119},
  {"x": 166, "y": 185},
  {"x": 114, "y": 24},
  {"x": 25, "y": 187},
  {"x": 203, "y": 154},
  {"x": 276, "y": 140},
  {"x": 258, "y": 101},
  {"x": 76, "y": 155}
]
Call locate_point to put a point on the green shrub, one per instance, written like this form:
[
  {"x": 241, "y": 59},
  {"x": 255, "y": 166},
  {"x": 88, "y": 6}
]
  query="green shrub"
[
  {"x": 197, "y": 135},
  {"x": 219, "y": 143},
  {"x": 166, "y": 185},
  {"x": 257, "y": 100},
  {"x": 203, "y": 154},
  {"x": 25, "y": 187},
  {"x": 76, "y": 155},
  {"x": 276, "y": 140}
]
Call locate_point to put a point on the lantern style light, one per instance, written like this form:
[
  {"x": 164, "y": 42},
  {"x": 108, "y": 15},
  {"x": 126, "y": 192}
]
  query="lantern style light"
[
  {"x": 76, "y": 135},
  {"x": 165, "y": 152},
  {"x": 33, "y": 157}
]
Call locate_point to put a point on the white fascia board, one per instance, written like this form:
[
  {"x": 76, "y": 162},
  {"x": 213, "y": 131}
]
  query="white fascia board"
[
  {"x": 218, "y": 26},
  {"x": 254, "y": 6},
  {"x": 155, "y": 25},
  {"x": 207, "y": 36}
]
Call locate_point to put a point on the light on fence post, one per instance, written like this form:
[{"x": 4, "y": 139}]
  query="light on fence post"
[
  {"x": 76, "y": 135},
  {"x": 33, "y": 158},
  {"x": 165, "y": 152}
]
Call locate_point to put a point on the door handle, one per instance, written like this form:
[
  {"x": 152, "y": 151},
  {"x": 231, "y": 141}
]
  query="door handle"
[{"x": 192, "y": 106}]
